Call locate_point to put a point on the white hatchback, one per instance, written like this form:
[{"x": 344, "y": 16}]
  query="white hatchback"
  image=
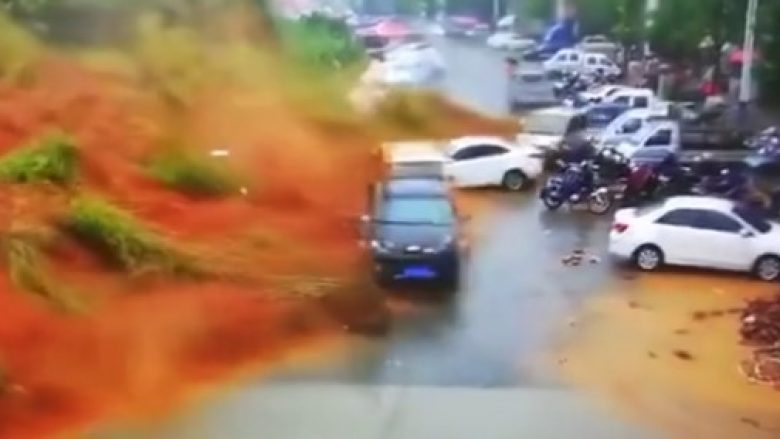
[{"x": 701, "y": 232}]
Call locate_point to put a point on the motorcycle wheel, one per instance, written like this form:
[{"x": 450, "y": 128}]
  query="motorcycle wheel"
[
  {"x": 600, "y": 204},
  {"x": 551, "y": 203}
]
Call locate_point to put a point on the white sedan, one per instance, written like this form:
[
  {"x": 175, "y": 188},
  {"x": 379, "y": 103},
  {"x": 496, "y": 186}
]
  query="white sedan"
[
  {"x": 491, "y": 161},
  {"x": 503, "y": 40},
  {"x": 700, "y": 232}
]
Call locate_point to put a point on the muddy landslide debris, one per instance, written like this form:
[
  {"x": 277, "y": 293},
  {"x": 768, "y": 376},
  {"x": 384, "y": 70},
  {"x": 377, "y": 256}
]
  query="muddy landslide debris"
[{"x": 760, "y": 328}]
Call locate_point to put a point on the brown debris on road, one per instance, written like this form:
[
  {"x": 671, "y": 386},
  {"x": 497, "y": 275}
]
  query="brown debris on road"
[{"x": 761, "y": 329}]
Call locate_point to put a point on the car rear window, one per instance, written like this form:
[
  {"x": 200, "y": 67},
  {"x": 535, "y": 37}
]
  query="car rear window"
[{"x": 531, "y": 77}]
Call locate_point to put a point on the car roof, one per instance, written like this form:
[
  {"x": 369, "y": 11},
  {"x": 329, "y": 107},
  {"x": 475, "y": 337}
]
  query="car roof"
[
  {"x": 415, "y": 187},
  {"x": 698, "y": 202},
  {"x": 560, "y": 110},
  {"x": 462, "y": 142},
  {"x": 413, "y": 151},
  {"x": 608, "y": 106}
]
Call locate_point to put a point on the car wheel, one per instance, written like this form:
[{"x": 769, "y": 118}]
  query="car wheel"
[
  {"x": 514, "y": 180},
  {"x": 767, "y": 268},
  {"x": 648, "y": 258}
]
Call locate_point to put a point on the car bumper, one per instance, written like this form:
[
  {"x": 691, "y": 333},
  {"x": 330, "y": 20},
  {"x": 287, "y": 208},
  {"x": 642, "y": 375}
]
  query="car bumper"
[
  {"x": 620, "y": 247},
  {"x": 417, "y": 267}
]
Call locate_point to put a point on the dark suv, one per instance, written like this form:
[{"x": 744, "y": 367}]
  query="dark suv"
[{"x": 413, "y": 231}]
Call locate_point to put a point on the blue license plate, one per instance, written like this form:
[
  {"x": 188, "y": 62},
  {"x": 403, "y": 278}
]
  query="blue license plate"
[{"x": 418, "y": 273}]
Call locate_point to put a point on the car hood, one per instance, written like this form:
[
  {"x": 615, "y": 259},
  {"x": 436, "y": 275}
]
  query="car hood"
[
  {"x": 539, "y": 141},
  {"x": 403, "y": 236}
]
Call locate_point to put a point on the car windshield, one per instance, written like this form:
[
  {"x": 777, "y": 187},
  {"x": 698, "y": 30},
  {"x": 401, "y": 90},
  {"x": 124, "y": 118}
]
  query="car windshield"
[
  {"x": 753, "y": 217},
  {"x": 428, "y": 210},
  {"x": 600, "y": 118},
  {"x": 549, "y": 124}
]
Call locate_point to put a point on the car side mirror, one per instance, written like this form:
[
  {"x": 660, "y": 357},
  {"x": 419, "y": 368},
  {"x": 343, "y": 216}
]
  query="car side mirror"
[{"x": 746, "y": 234}]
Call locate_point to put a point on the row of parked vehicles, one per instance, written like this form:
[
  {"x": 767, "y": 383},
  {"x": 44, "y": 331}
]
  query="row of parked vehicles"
[{"x": 413, "y": 230}]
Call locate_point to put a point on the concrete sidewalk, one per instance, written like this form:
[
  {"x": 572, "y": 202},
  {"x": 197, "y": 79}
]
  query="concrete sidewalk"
[{"x": 333, "y": 411}]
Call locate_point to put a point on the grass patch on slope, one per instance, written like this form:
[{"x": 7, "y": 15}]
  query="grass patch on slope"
[
  {"x": 123, "y": 240},
  {"x": 29, "y": 272},
  {"x": 51, "y": 158},
  {"x": 193, "y": 175}
]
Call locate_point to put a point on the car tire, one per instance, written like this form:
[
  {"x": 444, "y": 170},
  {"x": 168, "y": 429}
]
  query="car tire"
[
  {"x": 514, "y": 180},
  {"x": 648, "y": 257},
  {"x": 767, "y": 268}
]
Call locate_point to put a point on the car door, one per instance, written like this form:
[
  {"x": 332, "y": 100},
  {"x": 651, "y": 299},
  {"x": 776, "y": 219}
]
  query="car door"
[
  {"x": 721, "y": 243},
  {"x": 475, "y": 165},
  {"x": 573, "y": 61},
  {"x": 591, "y": 64},
  {"x": 678, "y": 238},
  {"x": 661, "y": 139}
]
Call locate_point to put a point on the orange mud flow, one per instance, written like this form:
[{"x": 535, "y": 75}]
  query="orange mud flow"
[
  {"x": 665, "y": 350},
  {"x": 142, "y": 344}
]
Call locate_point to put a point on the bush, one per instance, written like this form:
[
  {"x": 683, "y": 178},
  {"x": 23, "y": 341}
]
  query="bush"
[
  {"x": 121, "y": 239},
  {"x": 53, "y": 158},
  {"x": 192, "y": 175}
]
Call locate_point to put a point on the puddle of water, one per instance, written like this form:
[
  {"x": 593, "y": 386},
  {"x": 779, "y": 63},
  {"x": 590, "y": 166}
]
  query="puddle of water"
[{"x": 641, "y": 347}]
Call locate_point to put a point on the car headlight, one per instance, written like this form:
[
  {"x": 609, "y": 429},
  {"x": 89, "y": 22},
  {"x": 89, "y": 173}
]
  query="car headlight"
[
  {"x": 382, "y": 246},
  {"x": 445, "y": 245}
]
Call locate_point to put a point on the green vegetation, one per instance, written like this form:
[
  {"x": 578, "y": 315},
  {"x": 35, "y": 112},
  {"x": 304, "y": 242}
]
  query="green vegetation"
[
  {"x": 20, "y": 51},
  {"x": 123, "y": 240},
  {"x": 192, "y": 175},
  {"x": 28, "y": 271},
  {"x": 319, "y": 41},
  {"x": 53, "y": 158}
]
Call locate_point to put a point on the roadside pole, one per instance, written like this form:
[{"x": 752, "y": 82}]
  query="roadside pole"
[
  {"x": 651, "y": 7},
  {"x": 496, "y": 13},
  {"x": 560, "y": 8},
  {"x": 748, "y": 55}
]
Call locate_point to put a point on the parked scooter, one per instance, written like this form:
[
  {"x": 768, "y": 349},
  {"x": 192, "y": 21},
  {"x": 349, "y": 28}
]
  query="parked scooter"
[{"x": 576, "y": 185}]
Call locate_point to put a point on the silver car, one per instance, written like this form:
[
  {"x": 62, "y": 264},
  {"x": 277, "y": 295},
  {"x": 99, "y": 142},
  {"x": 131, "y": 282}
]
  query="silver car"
[{"x": 531, "y": 88}]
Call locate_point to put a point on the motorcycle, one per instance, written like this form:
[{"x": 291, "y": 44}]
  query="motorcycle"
[
  {"x": 765, "y": 153},
  {"x": 570, "y": 86},
  {"x": 575, "y": 185},
  {"x": 648, "y": 183},
  {"x": 729, "y": 184},
  {"x": 768, "y": 137}
]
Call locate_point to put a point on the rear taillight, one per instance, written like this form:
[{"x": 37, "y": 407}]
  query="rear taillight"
[{"x": 620, "y": 227}]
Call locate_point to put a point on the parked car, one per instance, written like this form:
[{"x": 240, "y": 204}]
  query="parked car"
[
  {"x": 701, "y": 232},
  {"x": 415, "y": 64},
  {"x": 599, "y": 116},
  {"x": 599, "y": 44},
  {"x": 599, "y": 94},
  {"x": 491, "y": 161},
  {"x": 662, "y": 135},
  {"x": 574, "y": 60},
  {"x": 413, "y": 232},
  {"x": 414, "y": 159},
  {"x": 530, "y": 88},
  {"x": 627, "y": 125},
  {"x": 548, "y": 128},
  {"x": 503, "y": 40}
]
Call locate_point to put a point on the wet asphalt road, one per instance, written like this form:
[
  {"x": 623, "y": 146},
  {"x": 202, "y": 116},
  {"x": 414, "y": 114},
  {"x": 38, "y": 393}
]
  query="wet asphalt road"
[{"x": 492, "y": 335}]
